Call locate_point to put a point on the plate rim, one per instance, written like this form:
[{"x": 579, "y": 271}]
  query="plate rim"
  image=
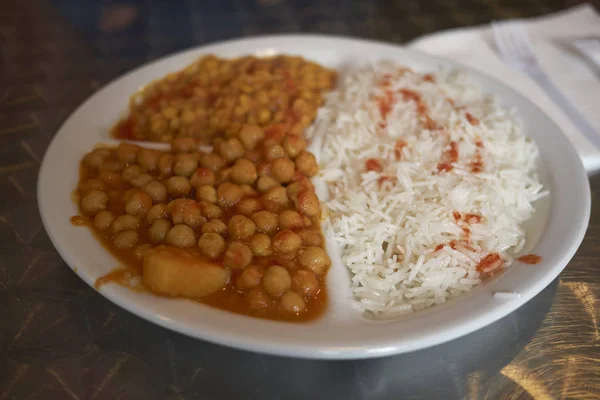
[{"x": 120, "y": 297}]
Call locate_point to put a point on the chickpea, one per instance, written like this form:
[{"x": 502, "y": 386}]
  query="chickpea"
[
  {"x": 185, "y": 211},
  {"x": 181, "y": 236},
  {"x": 110, "y": 178},
  {"x": 250, "y": 136},
  {"x": 202, "y": 177},
  {"x": 126, "y": 239},
  {"x": 286, "y": 241},
  {"x": 211, "y": 245},
  {"x": 228, "y": 194},
  {"x": 305, "y": 282},
  {"x": 185, "y": 165},
  {"x": 141, "y": 181},
  {"x": 178, "y": 186},
  {"x": 293, "y": 145},
  {"x": 307, "y": 203},
  {"x": 265, "y": 183},
  {"x": 207, "y": 193},
  {"x": 241, "y": 227},
  {"x": 159, "y": 230},
  {"x": 223, "y": 175},
  {"x": 260, "y": 245},
  {"x": 209, "y": 210},
  {"x": 292, "y": 302},
  {"x": 92, "y": 184},
  {"x": 183, "y": 145},
  {"x": 211, "y": 161},
  {"x": 266, "y": 222},
  {"x": 147, "y": 158},
  {"x": 157, "y": 211},
  {"x": 274, "y": 151},
  {"x": 282, "y": 169},
  {"x": 238, "y": 255},
  {"x": 258, "y": 299},
  {"x": 140, "y": 251},
  {"x": 275, "y": 199},
  {"x": 264, "y": 169},
  {"x": 243, "y": 172},
  {"x": 214, "y": 226},
  {"x": 93, "y": 202},
  {"x": 157, "y": 191},
  {"x": 112, "y": 166},
  {"x": 290, "y": 219},
  {"x": 103, "y": 219},
  {"x": 249, "y": 278},
  {"x": 132, "y": 171},
  {"x": 165, "y": 164},
  {"x": 139, "y": 204},
  {"x": 248, "y": 206},
  {"x": 311, "y": 237},
  {"x": 94, "y": 159},
  {"x": 248, "y": 191},
  {"x": 314, "y": 259},
  {"x": 306, "y": 163},
  {"x": 127, "y": 152},
  {"x": 276, "y": 281},
  {"x": 125, "y": 222}
]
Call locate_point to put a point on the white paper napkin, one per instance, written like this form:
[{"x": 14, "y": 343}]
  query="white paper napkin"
[{"x": 551, "y": 36}]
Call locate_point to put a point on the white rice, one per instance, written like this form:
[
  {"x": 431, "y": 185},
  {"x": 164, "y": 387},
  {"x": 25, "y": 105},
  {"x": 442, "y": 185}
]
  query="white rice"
[{"x": 389, "y": 231}]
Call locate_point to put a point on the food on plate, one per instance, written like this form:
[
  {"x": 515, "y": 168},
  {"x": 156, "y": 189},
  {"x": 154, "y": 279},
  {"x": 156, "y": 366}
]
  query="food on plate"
[
  {"x": 429, "y": 184},
  {"x": 235, "y": 227},
  {"x": 215, "y": 96}
]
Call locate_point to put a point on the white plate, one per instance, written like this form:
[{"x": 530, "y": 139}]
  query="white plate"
[{"x": 559, "y": 224}]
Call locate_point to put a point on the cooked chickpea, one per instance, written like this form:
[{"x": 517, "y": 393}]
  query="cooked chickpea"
[
  {"x": 282, "y": 169},
  {"x": 112, "y": 166},
  {"x": 126, "y": 239},
  {"x": 183, "y": 145},
  {"x": 211, "y": 161},
  {"x": 275, "y": 199},
  {"x": 305, "y": 282},
  {"x": 228, "y": 194},
  {"x": 159, "y": 230},
  {"x": 157, "y": 191},
  {"x": 103, "y": 219},
  {"x": 185, "y": 165},
  {"x": 248, "y": 206},
  {"x": 202, "y": 177},
  {"x": 178, "y": 186},
  {"x": 147, "y": 158},
  {"x": 92, "y": 184},
  {"x": 141, "y": 181},
  {"x": 231, "y": 150},
  {"x": 274, "y": 151},
  {"x": 257, "y": 298},
  {"x": 211, "y": 244},
  {"x": 95, "y": 159},
  {"x": 214, "y": 226},
  {"x": 286, "y": 241},
  {"x": 293, "y": 145},
  {"x": 290, "y": 219},
  {"x": 292, "y": 302},
  {"x": 276, "y": 280},
  {"x": 157, "y": 211},
  {"x": 260, "y": 245},
  {"x": 248, "y": 191},
  {"x": 207, "y": 193},
  {"x": 307, "y": 203},
  {"x": 139, "y": 204},
  {"x": 240, "y": 227},
  {"x": 165, "y": 164},
  {"x": 185, "y": 211},
  {"x": 306, "y": 163},
  {"x": 266, "y": 222},
  {"x": 243, "y": 172},
  {"x": 223, "y": 175},
  {"x": 311, "y": 237},
  {"x": 93, "y": 202},
  {"x": 250, "y": 136},
  {"x": 265, "y": 183},
  {"x": 249, "y": 278},
  {"x": 110, "y": 178},
  {"x": 127, "y": 152},
  {"x": 125, "y": 222},
  {"x": 181, "y": 236},
  {"x": 209, "y": 210},
  {"x": 238, "y": 255},
  {"x": 132, "y": 171},
  {"x": 314, "y": 259},
  {"x": 140, "y": 251}
]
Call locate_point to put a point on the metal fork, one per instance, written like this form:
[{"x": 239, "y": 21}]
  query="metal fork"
[{"x": 515, "y": 48}]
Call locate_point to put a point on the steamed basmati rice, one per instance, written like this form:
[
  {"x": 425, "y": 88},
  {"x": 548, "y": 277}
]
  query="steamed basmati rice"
[{"x": 427, "y": 176}]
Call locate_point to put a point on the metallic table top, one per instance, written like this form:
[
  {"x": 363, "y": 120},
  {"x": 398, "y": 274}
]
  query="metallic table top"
[{"x": 59, "y": 339}]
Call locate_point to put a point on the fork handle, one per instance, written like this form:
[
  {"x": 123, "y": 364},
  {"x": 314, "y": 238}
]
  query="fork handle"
[{"x": 560, "y": 100}]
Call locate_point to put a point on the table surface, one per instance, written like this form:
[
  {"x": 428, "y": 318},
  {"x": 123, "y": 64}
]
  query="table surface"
[{"x": 60, "y": 339}]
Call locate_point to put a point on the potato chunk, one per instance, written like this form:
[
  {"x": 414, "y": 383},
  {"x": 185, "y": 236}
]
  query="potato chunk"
[{"x": 170, "y": 271}]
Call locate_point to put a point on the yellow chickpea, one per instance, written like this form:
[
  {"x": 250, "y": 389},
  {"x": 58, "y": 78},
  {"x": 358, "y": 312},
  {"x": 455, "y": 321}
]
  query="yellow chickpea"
[
  {"x": 237, "y": 256},
  {"x": 93, "y": 202},
  {"x": 125, "y": 222},
  {"x": 241, "y": 227},
  {"x": 202, "y": 176},
  {"x": 103, "y": 220},
  {"x": 286, "y": 241},
  {"x": 214, "y": 226},
  {"x": 211, "y": 245},
  {"x": 243, "y": 172},
  {"x": 228, "y": 194},
  {"x": 282, "y": 169},
  {"x": 178, "y": 186},
  {"x": 139, "y": 204},
  {"x": 276, "y": 281},
  {"x": 207, "y": 193},
  {"x": 181, "y": 236},
  {"x": 250, "y": 136},
  {"x": 157, "y": 211}
]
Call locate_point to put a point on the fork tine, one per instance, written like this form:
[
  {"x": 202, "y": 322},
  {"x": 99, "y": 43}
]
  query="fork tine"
[
  {"x": 521, "y": 38},
  {"x": 500, "y": 39}
]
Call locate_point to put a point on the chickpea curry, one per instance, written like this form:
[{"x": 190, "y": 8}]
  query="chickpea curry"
[{"x": 237, "y": 227}]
